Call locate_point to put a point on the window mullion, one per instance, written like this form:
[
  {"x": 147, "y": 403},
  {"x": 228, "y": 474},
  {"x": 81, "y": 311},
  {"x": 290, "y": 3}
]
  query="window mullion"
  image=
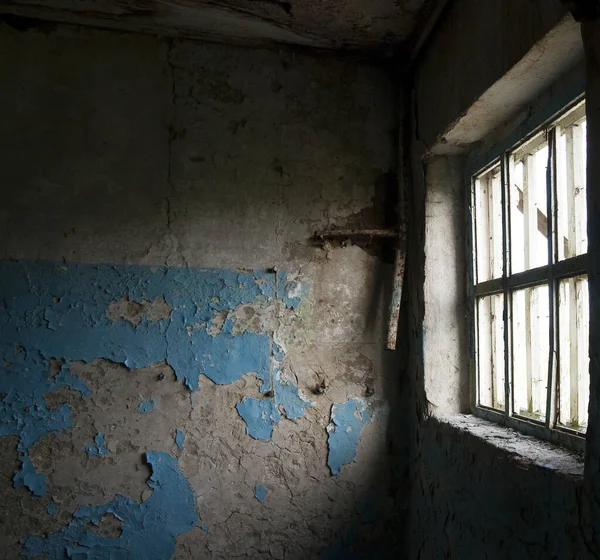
[
  {"x": 551, "y": 173},
  {"x": 504, "y": 181}
]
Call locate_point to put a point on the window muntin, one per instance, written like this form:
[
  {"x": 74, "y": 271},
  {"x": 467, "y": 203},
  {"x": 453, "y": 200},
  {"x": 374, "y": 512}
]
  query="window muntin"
[
  {"x": 531, "y": 302},
  {"x": 490, "y": 351}
]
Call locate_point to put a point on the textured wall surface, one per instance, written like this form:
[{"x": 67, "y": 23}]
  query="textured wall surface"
[
  {"x": 183, "y": 372},
  {"x": 505, "y": 30}
]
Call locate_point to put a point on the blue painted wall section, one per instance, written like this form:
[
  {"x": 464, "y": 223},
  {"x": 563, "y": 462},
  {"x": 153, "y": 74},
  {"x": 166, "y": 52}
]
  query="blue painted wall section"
[
  {"x": 260, "y": 493},
  {"x": 50, "y": 310},
  {"x": 348, "y": 419},
  {"x": 149, "y": 528},
  {"x": 24, "y": 379},
  {"x": 290, "y": 292},
  {"x": 51, "y": 508},
  {"x": 287, "y": 397},
  {"x": 179, "y": 438},
  {"x": 146, "y": 406},
  {"x": 98, "y": 448},
  {"x": 260, "y": 416}
]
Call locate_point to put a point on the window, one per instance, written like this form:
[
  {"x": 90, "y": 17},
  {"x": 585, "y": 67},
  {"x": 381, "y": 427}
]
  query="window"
[{"x": 530, "y": 283}]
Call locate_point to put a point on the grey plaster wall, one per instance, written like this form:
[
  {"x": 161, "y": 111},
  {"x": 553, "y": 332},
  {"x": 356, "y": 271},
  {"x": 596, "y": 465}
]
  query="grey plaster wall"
[
  {"x": 123, "y": 149},
  {"x": 494, "y": 37}
]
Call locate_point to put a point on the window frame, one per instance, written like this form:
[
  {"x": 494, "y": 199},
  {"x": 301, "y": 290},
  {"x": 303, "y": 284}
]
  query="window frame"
[{"x": 544, "y": 119}]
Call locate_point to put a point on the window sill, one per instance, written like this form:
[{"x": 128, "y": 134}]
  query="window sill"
[{"x": 526, "y": 451}]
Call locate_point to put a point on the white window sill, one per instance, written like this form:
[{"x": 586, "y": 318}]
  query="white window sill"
[{"x": 526, "y": 451}]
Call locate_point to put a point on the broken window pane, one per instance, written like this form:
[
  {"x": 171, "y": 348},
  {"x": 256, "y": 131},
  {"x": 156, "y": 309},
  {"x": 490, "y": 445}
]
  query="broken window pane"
[
  {"x": 488, "y": 225},
  {"x": 530, "y": 351},
  {"x": 573, "y": 338},
  {"x": 571, "y": 138},
  {"x": 528, "y": 205},
  {"x": 490, "y": 351}
]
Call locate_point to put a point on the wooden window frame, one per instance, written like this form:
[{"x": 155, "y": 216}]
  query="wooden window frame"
[{"x": 548, "y": 275}]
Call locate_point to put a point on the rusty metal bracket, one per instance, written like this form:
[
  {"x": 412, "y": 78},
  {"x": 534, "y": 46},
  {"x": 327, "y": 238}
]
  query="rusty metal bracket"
[
  {"x": 583, "y": 10},
  {"x": 354, "y": 233}
]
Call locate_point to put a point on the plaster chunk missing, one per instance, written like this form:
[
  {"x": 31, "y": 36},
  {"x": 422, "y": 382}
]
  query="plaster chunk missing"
[
  {"x": 134, "y": 311},
  {"x": 108, "y": 526},
  {"x": 216, "y": 324}
]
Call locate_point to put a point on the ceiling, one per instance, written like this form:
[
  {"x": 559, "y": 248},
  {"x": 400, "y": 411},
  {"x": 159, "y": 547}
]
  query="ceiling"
[{"x": 355, "y": 25}]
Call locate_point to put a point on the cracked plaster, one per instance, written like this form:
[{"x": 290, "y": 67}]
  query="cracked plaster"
[{"x": 199, "y": 176}]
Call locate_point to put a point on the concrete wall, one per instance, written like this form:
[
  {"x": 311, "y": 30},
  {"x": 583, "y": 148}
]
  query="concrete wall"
[
  {"x": 494, "y": 36},
  {"x": 184, "y": 373},
  {"x": 478, "y": 491}
]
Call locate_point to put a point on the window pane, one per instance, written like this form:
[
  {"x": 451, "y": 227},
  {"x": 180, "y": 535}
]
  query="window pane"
[
  {"x": 488, "y": 225},
  {"x": 574, "y": 377},
  {"x": 528, "y": 211},
  {"x": 490, "y": 351},
  {"x": 531, "y": 347},
  {"x": 571, "y": 136}
]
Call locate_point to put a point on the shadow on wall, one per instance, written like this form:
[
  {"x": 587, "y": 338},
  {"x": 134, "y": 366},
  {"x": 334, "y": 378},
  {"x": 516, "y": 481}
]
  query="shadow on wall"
[
  {"x": 93, "y": 384},
  {"x": 150, "y": 400}
]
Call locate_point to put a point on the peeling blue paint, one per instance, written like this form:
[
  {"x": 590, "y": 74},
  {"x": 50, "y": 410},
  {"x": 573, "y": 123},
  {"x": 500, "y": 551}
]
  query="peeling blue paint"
[
  {"x": 260, "y": 492},
  {"x": 348, "y": 419},
  {"x": 149, "y": 528},
  {"x": 24, "y": 380},
  {"x": 287, "y": 397},
  {"x": 204, "y": 527},
  {"x": 278, "y": 353},
  {"x": 179, "y": 438},
  {"x": 265, "y": 379},
  {"x": 290, "y": 292},
  {"x": 29, "y": 478},
  {"x": 51, "y": 508},
  {"x": 67, "y": 379},
  {"x": 146, "y": 406},
  {"x": 98, "y": 449},
  {"x": 260, "y": 417},
  {"x": 49, "y": 310}
]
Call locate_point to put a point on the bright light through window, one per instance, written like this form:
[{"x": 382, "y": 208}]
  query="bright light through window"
[{"x": 531, "y": 290}]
